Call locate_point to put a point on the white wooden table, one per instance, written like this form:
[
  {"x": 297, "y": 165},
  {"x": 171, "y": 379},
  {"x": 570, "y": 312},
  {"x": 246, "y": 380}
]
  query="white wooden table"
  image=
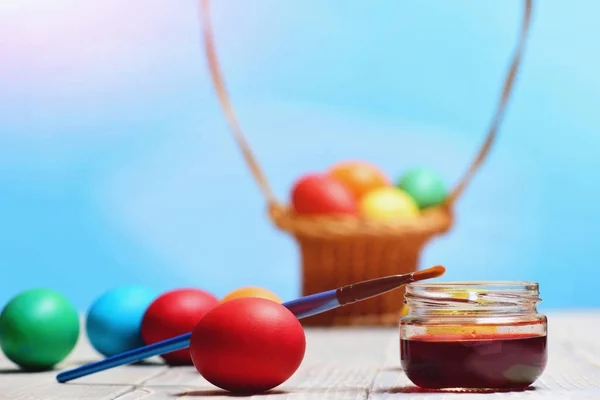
[{"x": 339, "y": 364}]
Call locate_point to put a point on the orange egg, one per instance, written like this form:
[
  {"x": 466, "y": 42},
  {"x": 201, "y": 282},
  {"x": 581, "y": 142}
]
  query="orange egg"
[
  {"x": 359, "y": 177},
  {"x": 251, "y": 291}
]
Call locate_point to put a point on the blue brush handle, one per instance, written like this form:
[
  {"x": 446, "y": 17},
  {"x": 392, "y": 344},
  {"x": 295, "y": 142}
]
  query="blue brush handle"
[
  {"x": 313, "y": 304},
  {"x": 301, "y": 308},
  {"x": 128, "y": 357}
]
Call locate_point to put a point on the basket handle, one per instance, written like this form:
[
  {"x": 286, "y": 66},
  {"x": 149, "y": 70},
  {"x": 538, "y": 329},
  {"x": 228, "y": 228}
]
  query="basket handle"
[
  {"x": 261, "y": 179},
  {"x": 499, "y": 114}
]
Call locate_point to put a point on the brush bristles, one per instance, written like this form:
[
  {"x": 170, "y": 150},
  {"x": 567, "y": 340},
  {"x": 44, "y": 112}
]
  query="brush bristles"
[{"x": 429, "y": 273}]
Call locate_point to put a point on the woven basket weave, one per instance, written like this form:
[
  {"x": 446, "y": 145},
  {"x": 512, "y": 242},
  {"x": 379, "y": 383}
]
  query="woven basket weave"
[{"x": 336, "y": 251}]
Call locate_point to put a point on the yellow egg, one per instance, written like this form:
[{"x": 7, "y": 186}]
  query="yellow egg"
[
  {"x": 388, "y": 203},
  {"x": 251, "y": 291},
  {"x": 404, "y": 311}
]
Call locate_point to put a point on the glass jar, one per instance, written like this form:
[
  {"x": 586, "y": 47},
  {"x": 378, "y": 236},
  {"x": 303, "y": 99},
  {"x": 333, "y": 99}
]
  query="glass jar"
[{"x": 473, "y": 335}]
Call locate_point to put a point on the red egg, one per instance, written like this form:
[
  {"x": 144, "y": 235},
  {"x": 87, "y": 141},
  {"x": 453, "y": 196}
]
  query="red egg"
[
  {"x": 248, "y": 345},
  {"x": 322, "y": 194},
  {"x": 175, "y": 313}
]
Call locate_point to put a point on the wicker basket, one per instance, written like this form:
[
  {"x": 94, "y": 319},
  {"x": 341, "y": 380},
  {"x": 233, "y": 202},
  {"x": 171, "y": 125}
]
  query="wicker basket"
[{"x": 336, "y": 251}]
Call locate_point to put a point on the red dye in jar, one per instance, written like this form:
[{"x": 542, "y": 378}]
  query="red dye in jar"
[{"x": 493, "y": 361}]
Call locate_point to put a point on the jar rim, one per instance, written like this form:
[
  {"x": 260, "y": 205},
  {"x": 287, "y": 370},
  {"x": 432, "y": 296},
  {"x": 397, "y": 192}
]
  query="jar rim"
[
  {"x": 472, "y": 297},
  {"x": 462, "y": 284}
]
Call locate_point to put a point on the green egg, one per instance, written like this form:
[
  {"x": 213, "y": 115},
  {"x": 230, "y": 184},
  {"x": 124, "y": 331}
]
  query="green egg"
[
  {"x": 425, "y": 186},
  {"x": 38, "y": 329}
]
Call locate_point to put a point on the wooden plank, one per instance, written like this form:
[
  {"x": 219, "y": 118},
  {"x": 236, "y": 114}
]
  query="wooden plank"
[
  {"x": 571, "y": 372},
  {"x": 15, "y": 384},
  {"x": 67, "y": 392},
  {"x": 339, "y": 364},
  {"x": 565, "y": 377},
  {"x": 578, "y": 331},
  {"x": 189, "y": 393},
  {"x": 346, "y": 363}
]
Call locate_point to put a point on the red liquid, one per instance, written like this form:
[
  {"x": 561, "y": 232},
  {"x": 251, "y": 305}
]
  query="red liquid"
[{"x": 506, "y": 362}]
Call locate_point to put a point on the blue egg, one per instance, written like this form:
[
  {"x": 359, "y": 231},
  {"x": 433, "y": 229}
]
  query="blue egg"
[{"x": 113, "y": 322}]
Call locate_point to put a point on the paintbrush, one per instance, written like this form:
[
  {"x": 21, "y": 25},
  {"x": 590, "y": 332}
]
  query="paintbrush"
[{"x": 301, "y": 308}]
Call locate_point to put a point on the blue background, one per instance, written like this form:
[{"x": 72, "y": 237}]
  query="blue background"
[{"x": 116, "y": 165}]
